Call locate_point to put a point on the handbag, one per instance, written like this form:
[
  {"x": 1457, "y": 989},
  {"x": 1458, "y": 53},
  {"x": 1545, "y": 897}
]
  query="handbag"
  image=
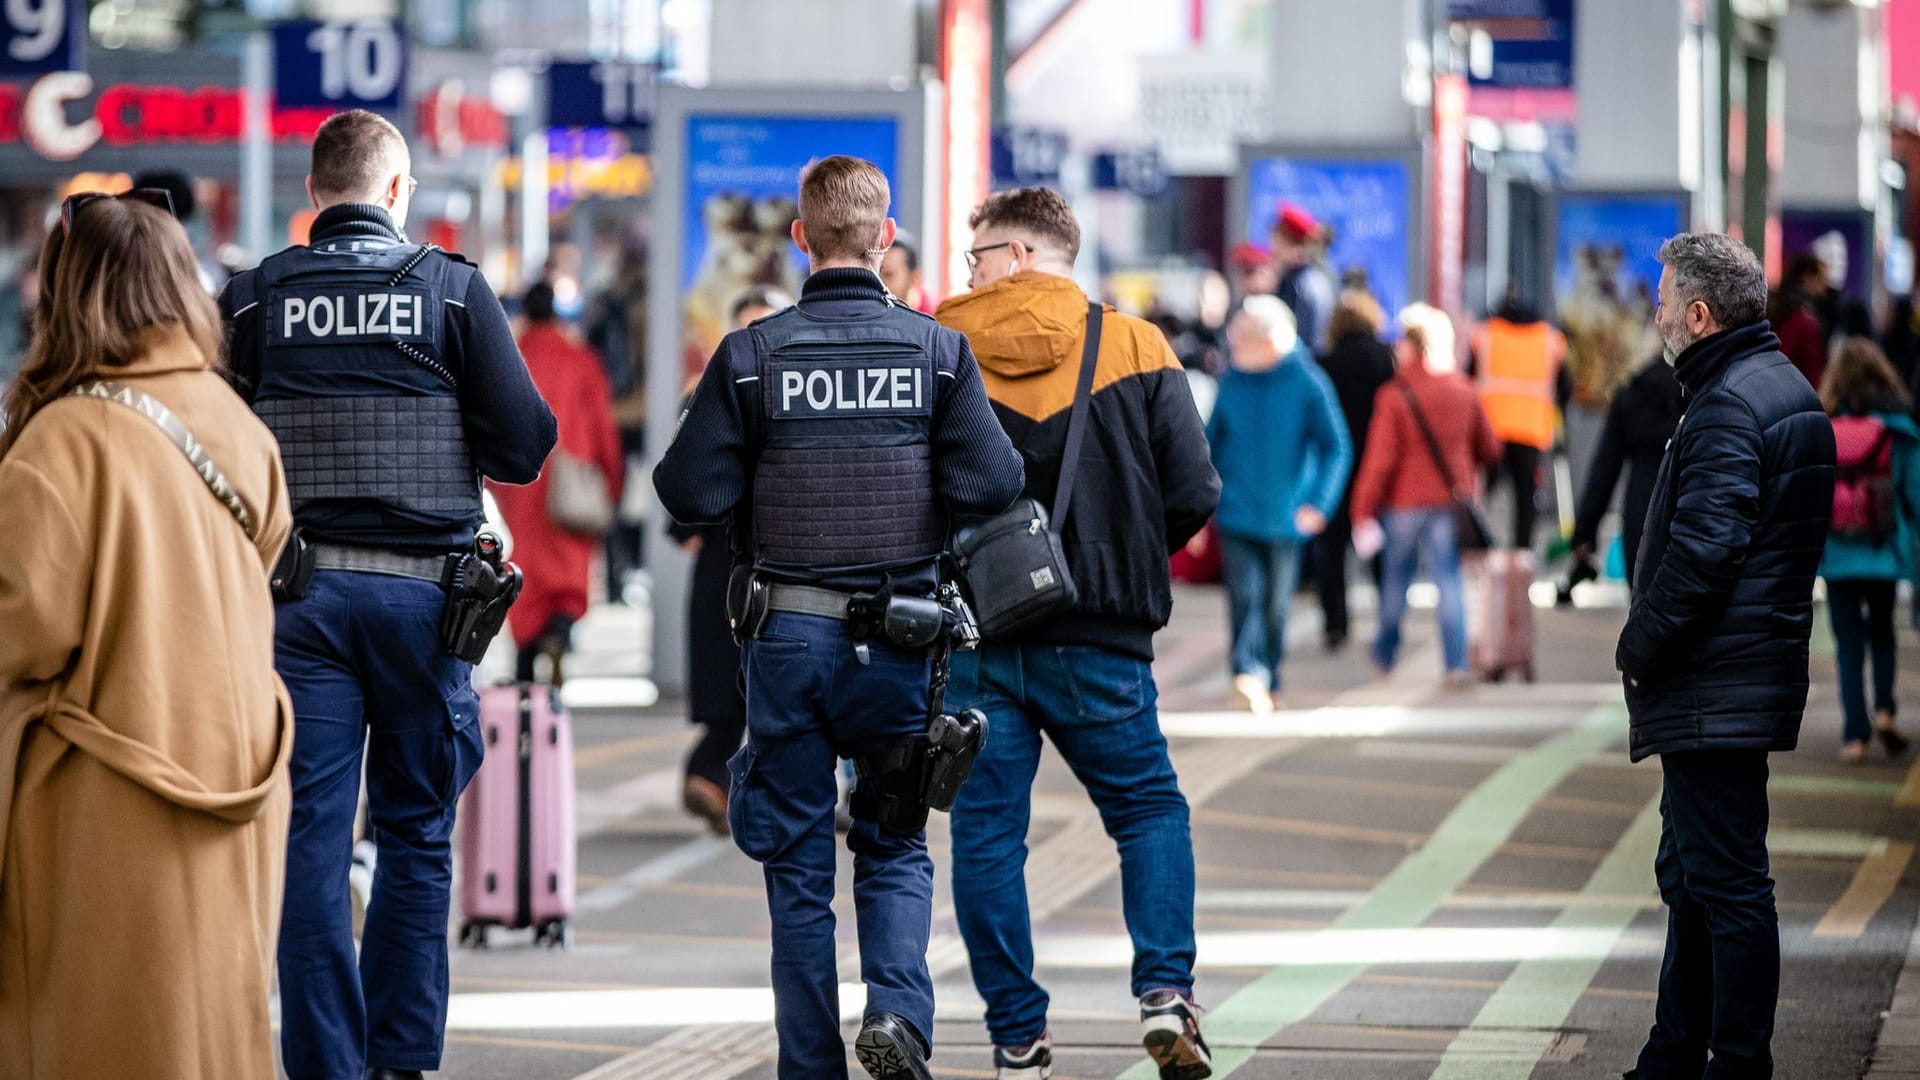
[
  {"x": 577, "y": 498},
  {"x": 144, "y": 404},
  {"x": 1014, "y": 563},
  {"x": 1469, "y": 522}
]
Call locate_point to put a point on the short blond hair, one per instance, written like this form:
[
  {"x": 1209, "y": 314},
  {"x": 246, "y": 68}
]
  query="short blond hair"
[
  {"x": 843, "y": 207},
  {"x": 1429, "y": 330}
]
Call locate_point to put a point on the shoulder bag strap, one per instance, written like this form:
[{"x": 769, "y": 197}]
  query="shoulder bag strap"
[
  {"x": 1433, "y": 444},
  {"x": 1077, "y": 420},
  {"x": 178, "y": 434}
]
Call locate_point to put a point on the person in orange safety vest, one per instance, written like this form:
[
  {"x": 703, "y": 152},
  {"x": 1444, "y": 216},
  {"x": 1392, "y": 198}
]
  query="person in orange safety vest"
[{"x": 1520, "y": 361}]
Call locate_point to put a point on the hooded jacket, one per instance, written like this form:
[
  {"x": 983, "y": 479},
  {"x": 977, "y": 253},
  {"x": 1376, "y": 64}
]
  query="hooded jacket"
[
  {"x": 1145, "y": 484},
  {"x": 1715, "y": 646},
  {"x": 1859, "y": 558}
]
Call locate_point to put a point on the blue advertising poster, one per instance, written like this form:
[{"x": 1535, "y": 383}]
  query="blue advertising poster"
[
  {"x": 1606, "y": 279},
  {"x": 1517, "y": 44},
  {"x": 39, "y": 36},
  {"x": 742, "y": 191},
  {"x": 1366, "y": 202}
]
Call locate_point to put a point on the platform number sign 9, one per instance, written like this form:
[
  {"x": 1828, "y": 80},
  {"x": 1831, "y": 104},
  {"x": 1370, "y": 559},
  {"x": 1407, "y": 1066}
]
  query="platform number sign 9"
[
  {"x": 360, "y": 64},
  {"x": 38, "y": 36}
]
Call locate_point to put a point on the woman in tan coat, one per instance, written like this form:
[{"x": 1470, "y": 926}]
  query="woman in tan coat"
[{"x": 143, "y": 733}]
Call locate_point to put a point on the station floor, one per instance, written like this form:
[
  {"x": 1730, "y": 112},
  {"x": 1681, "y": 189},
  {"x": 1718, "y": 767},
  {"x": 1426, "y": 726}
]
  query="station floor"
[{"x": 1396, "y": 882}]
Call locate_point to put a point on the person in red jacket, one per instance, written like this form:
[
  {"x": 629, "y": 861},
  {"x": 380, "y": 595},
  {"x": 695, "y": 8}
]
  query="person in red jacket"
[
  {"x": 1402, "y": 504},
  {"x": 557, "y": 563},
  {"x": 1795, "y": 313}
]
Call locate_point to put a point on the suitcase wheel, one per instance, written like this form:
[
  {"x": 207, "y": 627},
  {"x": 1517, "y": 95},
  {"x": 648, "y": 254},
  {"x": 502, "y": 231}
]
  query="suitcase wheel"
[
  {"x": 473, "y": 935},
  {"x": 557, "y": 934},
  {"x": 1527, "y": 673}
]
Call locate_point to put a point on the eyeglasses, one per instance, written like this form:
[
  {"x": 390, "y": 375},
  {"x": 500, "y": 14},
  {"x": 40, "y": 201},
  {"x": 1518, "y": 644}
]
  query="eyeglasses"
[
  {"x": 81, "y": 199},
  {"x": 973, "y": 254}
]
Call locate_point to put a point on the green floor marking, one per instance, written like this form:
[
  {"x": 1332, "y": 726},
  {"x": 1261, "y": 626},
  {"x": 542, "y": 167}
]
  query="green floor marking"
[
  {"x": 1846, "y": 787},
  {"x": 1476, "y": 828},
  {"x": 1519, "y": 1022}
]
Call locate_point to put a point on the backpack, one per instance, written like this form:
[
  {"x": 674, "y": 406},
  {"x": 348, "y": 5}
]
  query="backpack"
[{"x": 1863, "y": 495}]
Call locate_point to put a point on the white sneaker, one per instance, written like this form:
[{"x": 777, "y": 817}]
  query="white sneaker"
[
  {"x": 1170, "y": 1032},
  {"x": 1033, "y": 1061},
  {"x": 1253, "y": 693}
]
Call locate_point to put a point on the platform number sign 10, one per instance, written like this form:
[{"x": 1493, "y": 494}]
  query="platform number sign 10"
[
  {"x": 38, "y": 36},
  {"x": 358, "y": 64}
]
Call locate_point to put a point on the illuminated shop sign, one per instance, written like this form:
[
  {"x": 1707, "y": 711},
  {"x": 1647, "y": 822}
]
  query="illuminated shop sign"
[{"x": 62, "y": 117}]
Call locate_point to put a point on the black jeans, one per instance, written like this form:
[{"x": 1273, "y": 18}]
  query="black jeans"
[
  {"x": 1330, "y": 573},
  {"x": 1520, "y": 464},
  {"x": 1720, "y": 979},
  {"x": 1862, "y": 615}
]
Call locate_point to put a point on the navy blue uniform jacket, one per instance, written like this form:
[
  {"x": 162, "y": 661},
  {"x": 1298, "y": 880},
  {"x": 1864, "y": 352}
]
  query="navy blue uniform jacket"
[{"x": 707, "y": 473}]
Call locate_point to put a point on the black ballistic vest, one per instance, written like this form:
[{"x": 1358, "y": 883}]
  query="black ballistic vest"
[
  {"x": 357, "y": 385},
  {"x": 844, "y": 479}
]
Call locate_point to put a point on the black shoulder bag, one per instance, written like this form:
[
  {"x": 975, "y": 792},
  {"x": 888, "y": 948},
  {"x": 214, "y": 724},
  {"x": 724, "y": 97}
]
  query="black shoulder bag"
[
  {"x": 1469, "y": 523},
  {"x": 1014, "y": 563}
]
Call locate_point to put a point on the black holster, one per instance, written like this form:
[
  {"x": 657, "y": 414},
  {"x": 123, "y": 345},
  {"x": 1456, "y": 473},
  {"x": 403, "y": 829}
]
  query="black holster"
[
  {"x": 480, "y": 587},
  {"x": 749, "y": 603},
  {"x": 292, "y": 573}
]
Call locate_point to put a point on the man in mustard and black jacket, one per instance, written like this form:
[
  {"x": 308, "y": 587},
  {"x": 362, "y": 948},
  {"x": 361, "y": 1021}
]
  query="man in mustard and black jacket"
[{"x": 1085, "y": 680}]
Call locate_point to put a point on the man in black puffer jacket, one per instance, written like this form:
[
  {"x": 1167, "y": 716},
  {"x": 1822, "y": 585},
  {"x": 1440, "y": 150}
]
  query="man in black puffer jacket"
[{"x": 1715, "y": 649}]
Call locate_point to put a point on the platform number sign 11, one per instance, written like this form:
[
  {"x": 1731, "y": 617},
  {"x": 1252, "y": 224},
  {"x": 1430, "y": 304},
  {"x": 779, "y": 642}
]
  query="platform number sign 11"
[
  {"x": 38, "y": 36},
  {"x": 359, "y": 64}
]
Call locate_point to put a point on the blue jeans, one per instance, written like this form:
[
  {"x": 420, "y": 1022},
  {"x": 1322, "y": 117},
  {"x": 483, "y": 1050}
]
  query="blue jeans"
[
  {"x": 810, "y": 702},
  {"x": 1862, "y": 616},
  {"x": 1720, "y": 978},
  {"x": 362, "y": 660},
  {"x": 1261, "y": 576},
  {"x": 1098, "y": 709},
  {"x": 1414, "y": 535}
]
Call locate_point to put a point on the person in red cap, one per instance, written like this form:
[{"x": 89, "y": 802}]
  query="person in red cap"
[
  {"x": 1250, "y": 271},
  {"x": 1299, "y": 248}
]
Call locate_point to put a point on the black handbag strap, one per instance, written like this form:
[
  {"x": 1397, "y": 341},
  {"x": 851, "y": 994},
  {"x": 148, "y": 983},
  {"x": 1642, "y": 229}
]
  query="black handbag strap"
[
  {"x": 177, "y": 433},
  {"x": 1077, "y": 420},
  {"x": 1433, "y": 444}
]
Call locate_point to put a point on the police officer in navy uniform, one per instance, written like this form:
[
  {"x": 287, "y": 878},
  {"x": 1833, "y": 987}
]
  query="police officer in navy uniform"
[
  {"x": 840, "y": 436},
  {"x": 390, "y": 376}
]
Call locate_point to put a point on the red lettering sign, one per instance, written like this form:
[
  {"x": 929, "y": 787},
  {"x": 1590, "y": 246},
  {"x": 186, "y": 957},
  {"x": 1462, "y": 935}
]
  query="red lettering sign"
[
  {"x": 133, "y": 115},
  {"x": 9, "y": 113}
]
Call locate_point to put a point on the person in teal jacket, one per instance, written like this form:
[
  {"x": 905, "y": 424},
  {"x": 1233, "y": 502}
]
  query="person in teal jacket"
[
  {"x": 1871, "y": 546},
  {"x": 1281, "y": 447}
]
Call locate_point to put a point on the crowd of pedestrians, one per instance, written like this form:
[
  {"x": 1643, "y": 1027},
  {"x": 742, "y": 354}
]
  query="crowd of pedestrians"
[{"x": 234, "y": 752}]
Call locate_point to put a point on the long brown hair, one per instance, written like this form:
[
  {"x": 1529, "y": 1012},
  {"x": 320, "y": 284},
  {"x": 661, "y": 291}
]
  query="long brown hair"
[
  {"x": 1861, "y": 380},
  {"x": 110, "y": 285}
]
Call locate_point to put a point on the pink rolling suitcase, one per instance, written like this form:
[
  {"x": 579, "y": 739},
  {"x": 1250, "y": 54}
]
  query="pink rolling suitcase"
[
  {"x": 517, "y": 820},
  {"x": 1500, "y": 619}
]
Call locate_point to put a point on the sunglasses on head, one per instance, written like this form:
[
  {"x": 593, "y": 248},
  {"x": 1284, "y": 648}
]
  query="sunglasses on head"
[{"x": 81, "y": 199}]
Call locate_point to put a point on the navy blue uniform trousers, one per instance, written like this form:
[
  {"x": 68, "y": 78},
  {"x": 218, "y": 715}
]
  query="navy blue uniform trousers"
[
  {"x": 810, "y": 701},
  {"x": 362, "y": 660}
]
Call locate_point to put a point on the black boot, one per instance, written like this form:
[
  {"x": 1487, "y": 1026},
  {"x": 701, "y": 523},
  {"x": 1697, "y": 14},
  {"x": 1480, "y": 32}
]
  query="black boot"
[
  {"x": 890, "y": 1049},
  {"x": 394, "y": 1074}
]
